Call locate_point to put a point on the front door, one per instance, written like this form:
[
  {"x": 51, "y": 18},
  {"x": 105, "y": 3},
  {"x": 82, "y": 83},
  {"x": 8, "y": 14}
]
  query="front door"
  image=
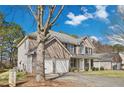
[{"x": 73, "y": 63}]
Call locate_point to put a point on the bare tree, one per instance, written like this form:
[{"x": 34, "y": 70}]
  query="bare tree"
[
  {"x": 43, "y": 27},
  {"x": 117, "y": 30},
  {"x": 117, "y": 34},
  {"x": 121, "y": 10}
]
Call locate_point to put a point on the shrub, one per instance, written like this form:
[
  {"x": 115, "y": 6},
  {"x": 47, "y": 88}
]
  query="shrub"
[
  {"x": 93, "y": 68},
  {"x": 101, "y": 68},
  {"x": 73, "y": 69},
  {"x": 96, "y": 69},
  {"x": 86, "y": 68}
]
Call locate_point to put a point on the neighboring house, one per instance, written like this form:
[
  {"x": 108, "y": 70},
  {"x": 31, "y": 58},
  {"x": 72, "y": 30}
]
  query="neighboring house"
[
  {"x": 122, "y": 57},
  {"x": 108, "y": 61},
  {"x": 62, "y": 52}
]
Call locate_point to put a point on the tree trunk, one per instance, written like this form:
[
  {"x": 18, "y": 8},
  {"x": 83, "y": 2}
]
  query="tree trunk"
[
  {"x": 11, "y": 60},
  {"x": 1, "y": 54},
  {"x": 1, "y": 59},
  {"x": 40, "y": 69}
]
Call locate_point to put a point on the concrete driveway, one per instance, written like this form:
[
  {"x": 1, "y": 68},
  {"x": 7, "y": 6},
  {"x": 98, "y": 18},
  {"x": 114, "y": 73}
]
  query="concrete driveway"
[{"x": 83, "y": 80}]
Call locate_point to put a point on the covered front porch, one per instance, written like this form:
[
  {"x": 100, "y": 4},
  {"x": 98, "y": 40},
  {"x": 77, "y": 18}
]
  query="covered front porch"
[{"x": 82, "y": 62}]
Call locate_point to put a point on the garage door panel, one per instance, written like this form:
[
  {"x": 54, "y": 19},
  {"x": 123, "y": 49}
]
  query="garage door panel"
[
  {"x": 48, "y": 66},
  {"x": 62, "y": 66}
]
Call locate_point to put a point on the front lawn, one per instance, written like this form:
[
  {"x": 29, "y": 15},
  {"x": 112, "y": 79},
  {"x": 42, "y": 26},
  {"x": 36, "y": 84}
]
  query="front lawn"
[
  {"x": 5, "y": 76},
  {"x": 108, "y": 73}
]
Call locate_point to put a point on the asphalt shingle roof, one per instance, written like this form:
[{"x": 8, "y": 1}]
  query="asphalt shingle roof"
[
  {"x": 62, "y": 37},
  {"x": 113, "y": 57}
]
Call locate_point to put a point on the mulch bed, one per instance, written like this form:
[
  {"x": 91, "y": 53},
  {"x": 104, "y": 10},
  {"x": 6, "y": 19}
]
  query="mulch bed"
[
  {"x": 18, "y": 83},
  {"x": 31, "y": 82}
]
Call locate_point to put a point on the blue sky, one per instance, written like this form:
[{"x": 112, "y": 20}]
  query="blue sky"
[{"x": 93, "y": 21}]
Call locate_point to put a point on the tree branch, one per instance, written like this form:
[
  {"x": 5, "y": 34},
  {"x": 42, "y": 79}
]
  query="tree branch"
[
  {"x": 33, "y": 13},
  {"x": 51, "y": 10},
  {"x": 40, "y": 18},
  {"x": 54, "y": 20}
]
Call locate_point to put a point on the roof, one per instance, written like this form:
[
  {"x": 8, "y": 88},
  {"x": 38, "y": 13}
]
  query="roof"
[
  {"x": 62, "y": 37},
  {"x": 33, "y": 48},
  {"x": 101, "y": 57},
  {"x": 113, "y": 57},
  {"x": 86, "y": 56}
]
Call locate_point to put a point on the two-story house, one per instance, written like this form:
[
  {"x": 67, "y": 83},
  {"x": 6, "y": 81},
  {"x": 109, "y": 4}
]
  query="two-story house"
[{"x": 62, "y": 52}]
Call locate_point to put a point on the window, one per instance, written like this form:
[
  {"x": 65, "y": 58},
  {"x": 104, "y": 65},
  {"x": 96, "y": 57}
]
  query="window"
[
  {"x": 91, "y": 51},
  {"x": 71, "y": 48},
  {"x": 86, "y": 50},
  {"x": 73, "y": 63},
  {"x": 82, "y": 49}
]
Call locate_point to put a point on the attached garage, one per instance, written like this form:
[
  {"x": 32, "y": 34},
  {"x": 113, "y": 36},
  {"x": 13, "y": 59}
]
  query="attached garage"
[
  {"x": 56, "y": 66},
  {"x": 56, "y": 58}
]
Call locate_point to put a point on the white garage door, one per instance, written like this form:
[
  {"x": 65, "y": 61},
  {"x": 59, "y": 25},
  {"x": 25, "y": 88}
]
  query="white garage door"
[
  {"x": 58, "y": 66},
  {"x": 48, "y": 66},
  {"x": 62, "y": 66}
]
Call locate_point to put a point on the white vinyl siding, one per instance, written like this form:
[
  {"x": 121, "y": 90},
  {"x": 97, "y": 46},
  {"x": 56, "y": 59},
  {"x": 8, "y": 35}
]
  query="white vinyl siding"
[
  {"x": 106, "y": 65},
  {"x": 22, "y": 57}
]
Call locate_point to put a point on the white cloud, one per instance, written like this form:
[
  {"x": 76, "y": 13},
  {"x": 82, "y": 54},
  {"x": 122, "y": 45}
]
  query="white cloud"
[
  {"x": 94, "y": 38},
  {"x": 84, "y": 9},
  {"x": 100, "y": 13},
  {"x": 76, "y": 19}
]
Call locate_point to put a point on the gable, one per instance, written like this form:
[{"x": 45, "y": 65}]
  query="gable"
[
  {"x": 55, "y": 49},
  {"x": 88, "y": 43}
]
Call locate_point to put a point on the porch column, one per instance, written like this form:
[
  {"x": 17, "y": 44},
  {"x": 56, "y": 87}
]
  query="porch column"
[
  {"x": 78, "y": 67},
  {"x": 83, "y": 66},
  {"x": 99, "y": 65},
  {"x": 89, "y": 64}
]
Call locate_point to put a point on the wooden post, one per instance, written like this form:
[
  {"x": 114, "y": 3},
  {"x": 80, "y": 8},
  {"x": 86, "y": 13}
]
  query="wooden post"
[
  {"x": 78, "y": 65},
  {"x": 12, "y": 77},
  {"x": 83, "y": 64},
  {"x": 99, "y": 65},
  {"x": 89, "y": 64}
]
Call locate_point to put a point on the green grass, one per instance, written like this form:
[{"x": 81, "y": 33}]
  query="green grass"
[
  {"x": 3, "y": 70},
  {"x": 5, "y": 76},
  {"x": 107, "y": 73}
]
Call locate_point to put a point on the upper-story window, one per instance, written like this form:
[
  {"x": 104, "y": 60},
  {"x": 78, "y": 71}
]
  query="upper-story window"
[
  {"x": 88, "y": 50},
  {"x": 82, "y": 49},
  {"x": 71, "y": 48}
]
